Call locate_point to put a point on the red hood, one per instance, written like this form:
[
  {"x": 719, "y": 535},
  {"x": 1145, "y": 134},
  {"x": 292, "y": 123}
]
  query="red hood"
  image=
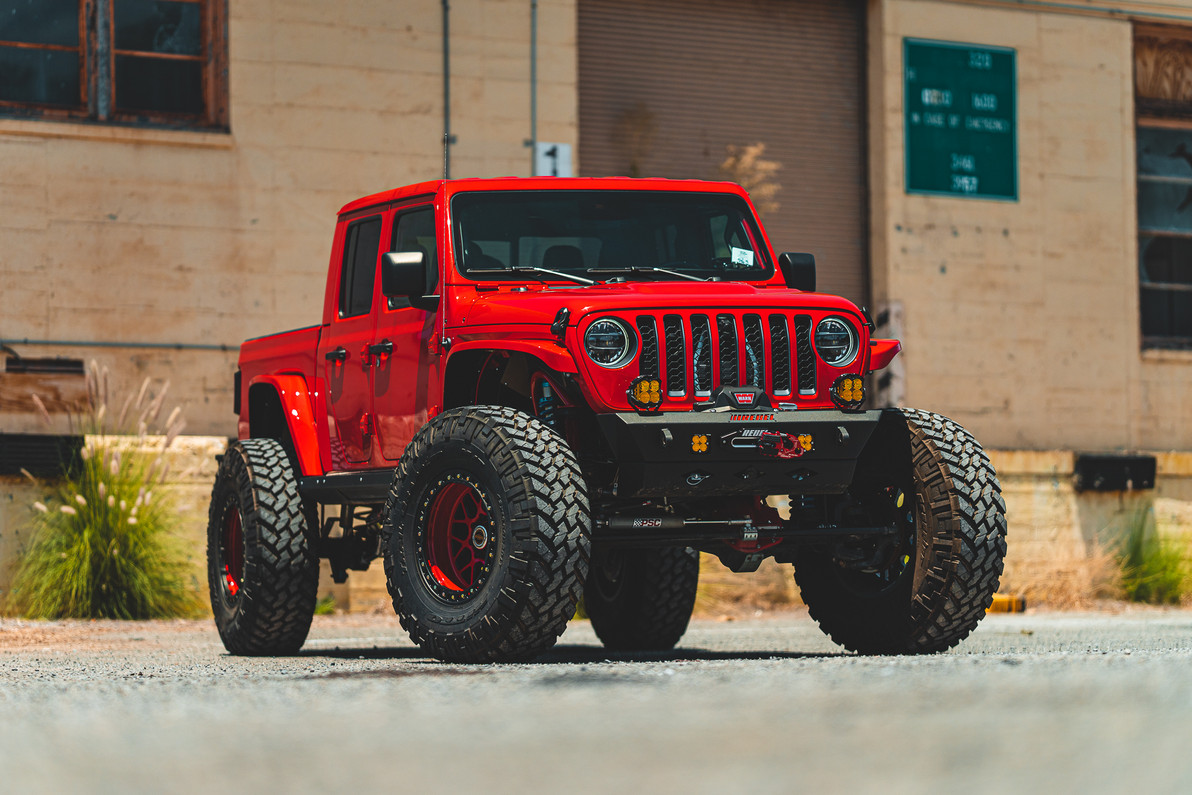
[{"x": 540, "y": 306}]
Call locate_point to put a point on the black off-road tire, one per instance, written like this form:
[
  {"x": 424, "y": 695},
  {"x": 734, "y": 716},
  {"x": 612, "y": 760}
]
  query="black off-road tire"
[
  {"x": 641, "y": 599},
  {"x": 264, "y": 579},
  {"x": 954, "y": 569},
  {"x": 511, "y": 487}
]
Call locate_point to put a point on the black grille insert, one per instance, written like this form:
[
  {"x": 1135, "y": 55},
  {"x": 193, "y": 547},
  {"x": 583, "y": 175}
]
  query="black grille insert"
[
  {"x": 780, "y": 356},
  {"x": 648, "y": 360},
  {"x": 755, "y": 352},
  {"x": 726, "y": 332},
  {"x": 805, "y": 354},
  {"x": 676, "y": 355},
  {"x": 701, "y": 345}
]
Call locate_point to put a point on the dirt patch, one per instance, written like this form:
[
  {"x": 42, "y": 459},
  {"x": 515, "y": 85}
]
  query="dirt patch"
[{"x": 22, "y": 635}]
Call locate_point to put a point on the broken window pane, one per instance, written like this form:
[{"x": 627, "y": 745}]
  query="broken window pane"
[{"x": 155, "y": 26}]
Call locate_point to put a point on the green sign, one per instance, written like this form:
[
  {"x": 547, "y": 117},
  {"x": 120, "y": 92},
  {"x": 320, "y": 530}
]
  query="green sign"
[{"x": 961, "y": 120}]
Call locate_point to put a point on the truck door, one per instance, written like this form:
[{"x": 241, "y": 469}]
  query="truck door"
[
  {"x": 344, "y": 347},
  {"x": 402, "y": 380}
]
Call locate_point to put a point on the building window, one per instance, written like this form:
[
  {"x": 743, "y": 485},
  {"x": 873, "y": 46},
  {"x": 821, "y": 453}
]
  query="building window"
[
  {"x": 155, "y": 62},
  {"x": 1163, "y": 104}
]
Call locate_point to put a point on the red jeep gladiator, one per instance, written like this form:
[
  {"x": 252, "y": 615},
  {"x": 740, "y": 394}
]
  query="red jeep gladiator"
[{"x": 528, "y": 391}]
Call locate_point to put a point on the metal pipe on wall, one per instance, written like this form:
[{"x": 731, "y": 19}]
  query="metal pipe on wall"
[
  {"x": 448, "y": 138},
  {"x": 533, "y": 142},
  {"x": 173, "y": 346}
]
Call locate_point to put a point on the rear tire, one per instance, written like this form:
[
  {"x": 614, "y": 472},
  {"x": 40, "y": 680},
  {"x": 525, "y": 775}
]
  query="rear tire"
[
  {"x": 641, "y": 599},
  {"x": 486, "y": 536},
  {"x": 262, "y": 568},
  {"x": 935, "y": 592}
]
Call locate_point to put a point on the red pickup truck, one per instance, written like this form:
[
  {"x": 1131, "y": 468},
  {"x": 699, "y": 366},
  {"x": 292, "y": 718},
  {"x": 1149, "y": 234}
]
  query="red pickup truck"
[{"x": 527, "y": 391}]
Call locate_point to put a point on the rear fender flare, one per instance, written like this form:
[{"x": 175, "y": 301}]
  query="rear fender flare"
[{"x": 297, "y": 412}]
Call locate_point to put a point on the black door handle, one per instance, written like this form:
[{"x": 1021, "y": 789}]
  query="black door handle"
[
  {"x": 340, "y": 354},
  {"x": 381, "y": 348}
]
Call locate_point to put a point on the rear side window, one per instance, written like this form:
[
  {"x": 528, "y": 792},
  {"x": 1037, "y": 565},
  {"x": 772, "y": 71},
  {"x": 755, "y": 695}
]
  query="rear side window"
[{"x": 359, "y": 271}]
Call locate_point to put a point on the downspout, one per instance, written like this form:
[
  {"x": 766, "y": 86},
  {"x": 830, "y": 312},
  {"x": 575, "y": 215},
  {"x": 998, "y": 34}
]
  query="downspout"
[
  {"x": 533, "y": 142},
  {"x": 448, "y": 138}
]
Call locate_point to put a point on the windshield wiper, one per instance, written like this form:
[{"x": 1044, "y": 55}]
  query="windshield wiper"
[
  {"x": 532, "y": 269},
  {"x": 651, "y": 269}
]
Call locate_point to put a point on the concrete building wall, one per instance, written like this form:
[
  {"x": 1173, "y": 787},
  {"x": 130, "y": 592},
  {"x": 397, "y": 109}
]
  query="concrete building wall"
[
  {"x": 128, "y": 235},
  {"x": 1021, "y": 319}
]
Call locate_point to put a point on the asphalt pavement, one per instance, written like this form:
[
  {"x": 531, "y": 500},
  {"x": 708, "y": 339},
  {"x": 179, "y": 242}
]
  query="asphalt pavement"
[{"x": 1050, "y": 703}]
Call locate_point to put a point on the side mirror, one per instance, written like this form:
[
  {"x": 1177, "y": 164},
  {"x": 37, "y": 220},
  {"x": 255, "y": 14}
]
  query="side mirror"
[
  {"x": 798, "y": 270},
  {"x": 403, "y": 274}
]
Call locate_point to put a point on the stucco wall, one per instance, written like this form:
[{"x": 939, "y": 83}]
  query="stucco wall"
[
  {"x": 132, "y": 235},
  {"x": 1020, "y": 319}
]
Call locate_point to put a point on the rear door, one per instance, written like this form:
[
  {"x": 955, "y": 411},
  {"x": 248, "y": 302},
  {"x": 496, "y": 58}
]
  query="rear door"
[{"x": 344, "y": 347}]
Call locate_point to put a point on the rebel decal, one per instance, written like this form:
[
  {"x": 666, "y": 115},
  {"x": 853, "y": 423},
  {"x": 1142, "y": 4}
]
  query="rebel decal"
[{"x": 771, "y": 444}]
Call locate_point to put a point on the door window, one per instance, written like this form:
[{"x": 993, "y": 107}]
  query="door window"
[{"x": 415, "y": 231}]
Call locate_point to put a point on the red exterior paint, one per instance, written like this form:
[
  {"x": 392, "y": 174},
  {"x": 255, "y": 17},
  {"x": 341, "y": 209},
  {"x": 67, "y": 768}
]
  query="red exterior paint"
[{"x": 358, "y": 411}]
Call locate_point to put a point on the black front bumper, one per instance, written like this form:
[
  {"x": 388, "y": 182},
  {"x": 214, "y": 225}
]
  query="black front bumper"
[{"x": 710, "y": 453}]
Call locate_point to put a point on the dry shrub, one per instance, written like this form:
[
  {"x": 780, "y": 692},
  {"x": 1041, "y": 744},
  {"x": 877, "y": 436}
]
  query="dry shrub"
[
  {"x": 1075, "y": 583},
  {"x": 727, "y": 593}
]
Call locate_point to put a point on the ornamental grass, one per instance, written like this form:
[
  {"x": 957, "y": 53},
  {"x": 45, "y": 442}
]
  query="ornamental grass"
[
  {"x": 1155, "y": 568},
  {"x": 103, "y": 541}
]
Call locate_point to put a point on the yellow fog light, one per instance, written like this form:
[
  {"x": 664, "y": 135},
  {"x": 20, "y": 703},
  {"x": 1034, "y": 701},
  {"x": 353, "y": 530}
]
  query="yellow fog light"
[
  {"x": 805, "y": 442},
  {"x": 699, "y": 443},
  {"x": 645, "y": 393},
  {"x": 848, "y": 391}
]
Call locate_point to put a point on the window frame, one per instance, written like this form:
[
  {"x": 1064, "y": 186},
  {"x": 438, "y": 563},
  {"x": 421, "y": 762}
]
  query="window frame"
[
  {"x": 97, "y": 100},
  {"x": 1157, "y": 113}
]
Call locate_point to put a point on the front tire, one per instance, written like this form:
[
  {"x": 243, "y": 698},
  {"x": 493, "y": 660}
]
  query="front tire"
[
  {"x": 641, "y": 599},
  {"x": 486, "y": 536},
  {"x": 935, "y": 590},
  {"x": 262, "y": 569}
]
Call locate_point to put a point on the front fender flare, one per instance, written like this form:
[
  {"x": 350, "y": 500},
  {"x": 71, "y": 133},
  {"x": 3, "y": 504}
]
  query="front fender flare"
[{"x": 552, "y": 354}]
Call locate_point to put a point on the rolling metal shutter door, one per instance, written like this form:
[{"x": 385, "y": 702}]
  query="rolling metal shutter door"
[{"x": 704, "y": 74}]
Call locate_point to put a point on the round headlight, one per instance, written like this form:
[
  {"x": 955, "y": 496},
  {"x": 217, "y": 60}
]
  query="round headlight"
[
  {"x": 609, "y": 342},
  {"x": 836, "y": 341}
]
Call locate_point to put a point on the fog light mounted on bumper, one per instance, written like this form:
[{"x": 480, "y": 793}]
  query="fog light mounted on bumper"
[{"x": 848, "y": 392}]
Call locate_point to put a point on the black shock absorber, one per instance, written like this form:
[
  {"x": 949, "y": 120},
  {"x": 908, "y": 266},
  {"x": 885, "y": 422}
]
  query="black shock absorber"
[{"x": 545, "y": 404}]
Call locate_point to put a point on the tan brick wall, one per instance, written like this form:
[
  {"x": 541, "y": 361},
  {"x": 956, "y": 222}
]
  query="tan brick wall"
[
  {"x": 116, "y": 234},
  {"x": 1021, "y": 318}
]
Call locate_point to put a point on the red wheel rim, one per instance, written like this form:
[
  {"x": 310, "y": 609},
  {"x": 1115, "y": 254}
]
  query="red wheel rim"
[
  {"x": 232, "y": 550},
  {"x": 458, "y": 543}
]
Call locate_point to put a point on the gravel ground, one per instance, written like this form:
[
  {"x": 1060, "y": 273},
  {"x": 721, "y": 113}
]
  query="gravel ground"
[{"x": 1041, "y": 703}]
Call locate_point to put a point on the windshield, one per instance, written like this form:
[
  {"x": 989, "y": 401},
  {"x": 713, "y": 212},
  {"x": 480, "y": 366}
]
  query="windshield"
[{"x": 607, "y": 235}]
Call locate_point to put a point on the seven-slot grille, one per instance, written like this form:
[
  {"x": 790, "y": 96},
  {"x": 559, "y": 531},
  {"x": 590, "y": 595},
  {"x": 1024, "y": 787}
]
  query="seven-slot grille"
[{"x": 691, "y": 344}]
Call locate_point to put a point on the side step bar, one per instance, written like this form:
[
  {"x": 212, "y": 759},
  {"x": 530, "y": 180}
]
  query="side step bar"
[{"x": 358, "y": 488}]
